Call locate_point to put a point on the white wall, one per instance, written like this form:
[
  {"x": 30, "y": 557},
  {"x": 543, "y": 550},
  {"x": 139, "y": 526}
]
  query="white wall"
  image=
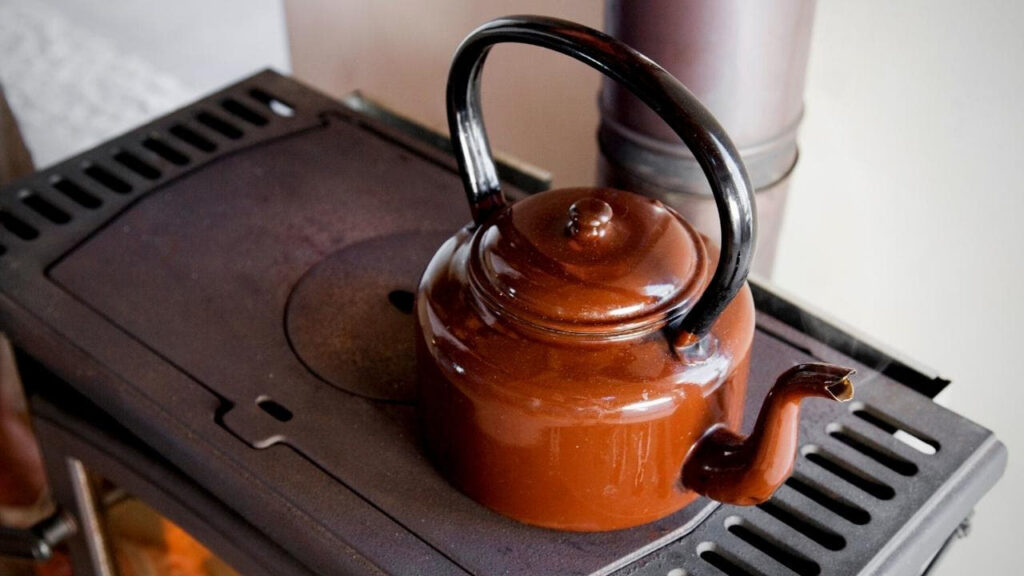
[
  {"x": 905, "y": 211},
  {"x": 79, "y": 72}
]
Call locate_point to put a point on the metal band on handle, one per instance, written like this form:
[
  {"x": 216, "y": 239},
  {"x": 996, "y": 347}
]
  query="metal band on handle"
[{"x": 649, "y": 82}]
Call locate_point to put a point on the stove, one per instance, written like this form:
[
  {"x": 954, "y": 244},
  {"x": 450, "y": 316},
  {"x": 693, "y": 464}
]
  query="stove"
[{"x": 214, "y": 311}]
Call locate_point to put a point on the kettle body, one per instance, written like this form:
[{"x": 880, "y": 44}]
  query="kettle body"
[
  {"x": 562, "y": 430},
  {"x": 583, "y": 353}
]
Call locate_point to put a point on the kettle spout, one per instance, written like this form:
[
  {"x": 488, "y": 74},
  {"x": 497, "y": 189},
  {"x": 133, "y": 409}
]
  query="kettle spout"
[{"x": 734, "y": 469}]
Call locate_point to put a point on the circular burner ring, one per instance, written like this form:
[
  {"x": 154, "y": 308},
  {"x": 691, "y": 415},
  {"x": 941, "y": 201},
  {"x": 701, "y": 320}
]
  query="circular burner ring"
[{"x": 349, "y": 318}]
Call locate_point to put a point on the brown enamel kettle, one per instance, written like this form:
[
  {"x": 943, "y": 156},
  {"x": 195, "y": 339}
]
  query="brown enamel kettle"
[{"x": 583, "y": 353}]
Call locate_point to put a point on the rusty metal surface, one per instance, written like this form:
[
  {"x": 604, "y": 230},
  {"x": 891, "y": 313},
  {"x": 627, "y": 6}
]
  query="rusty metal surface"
[
  {"x": 324, "y": 524},
  {"x": 187, "y": 309},
  {"x": 203, "y": 272}
]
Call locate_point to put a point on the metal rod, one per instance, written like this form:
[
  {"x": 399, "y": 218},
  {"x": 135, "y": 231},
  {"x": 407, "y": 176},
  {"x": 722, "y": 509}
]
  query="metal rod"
[{"x": 89, "y": 519}]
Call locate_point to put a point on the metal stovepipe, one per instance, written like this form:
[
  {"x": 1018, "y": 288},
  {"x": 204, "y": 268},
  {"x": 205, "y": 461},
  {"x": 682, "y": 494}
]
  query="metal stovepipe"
[{"x": 746, "y": 61}]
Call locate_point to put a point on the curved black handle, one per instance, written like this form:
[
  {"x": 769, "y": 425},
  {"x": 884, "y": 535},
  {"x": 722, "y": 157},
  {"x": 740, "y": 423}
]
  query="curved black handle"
[{"x": 655, "y": 87}]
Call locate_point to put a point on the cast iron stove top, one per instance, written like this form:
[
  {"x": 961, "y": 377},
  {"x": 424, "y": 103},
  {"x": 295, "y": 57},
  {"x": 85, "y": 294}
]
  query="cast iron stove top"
[{"x": 232, "y": 284}]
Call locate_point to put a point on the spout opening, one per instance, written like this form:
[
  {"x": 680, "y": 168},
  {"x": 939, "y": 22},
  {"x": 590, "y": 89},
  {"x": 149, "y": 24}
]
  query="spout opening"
[
  {"x": 841, "y": 390},
  {"x": 821, "y": 379}
]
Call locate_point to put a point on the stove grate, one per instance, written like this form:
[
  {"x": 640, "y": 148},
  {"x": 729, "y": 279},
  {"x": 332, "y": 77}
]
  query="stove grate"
[
  {"x": 143, "y": 159},
  {"x": 867, "y": 487}
]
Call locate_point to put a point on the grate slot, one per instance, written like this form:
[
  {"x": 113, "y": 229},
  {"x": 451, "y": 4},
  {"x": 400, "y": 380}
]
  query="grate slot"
[
  {"x": 136, "y": 165},
  {"x": 724, "y": 562},
  {"x": 239, "y": 110},
  {"x": 17, "y": 226},
  {"x": 786, "y": 556},
  {"x": 275, "y": 104},
  {"x": 798, "y": 521},
  {"x": 872, "y": 450},
  {"x": 44, "y": 208},
  {"x": 165, "y": 151},
  {"x": 219, "y": 125},
  {"x": 75, "y": 193},
  {"x": 192, "y": 138},
  {"x": 846, "y": 510},
  {"x": 107, "y": 179},
  {"x": 913, "y": 438},
  {"x": 852, "y": 475},
  {"x": 3, "y": 249}
]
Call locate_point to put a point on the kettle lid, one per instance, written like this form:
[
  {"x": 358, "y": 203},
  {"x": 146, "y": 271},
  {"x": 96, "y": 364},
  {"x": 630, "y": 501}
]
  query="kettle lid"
[{"x": 584, "y": 260}]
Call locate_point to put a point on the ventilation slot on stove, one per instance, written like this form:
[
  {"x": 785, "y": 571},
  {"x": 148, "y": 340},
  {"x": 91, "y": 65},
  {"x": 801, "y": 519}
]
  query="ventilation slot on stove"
[
  {"x": 276, "y": 410},
  {"x": 795, "y": 561},
  {"x": 107, "y": 179},
  {"x": 17, "y": 226},
  {"x": 727, "y": 563},
  {"x": 804, "y": 525},
  {"x": 192, "y": 138},
  {"x": 44, "y": 208},
  {"x": 829, "y": 500},
  {"x": 75, "y": 193},
  {"x": 165, "y": 151},
  {"x": 873, "y": 486},
  {"x": 872, "y": 450},
  {"x": 219, "y": 125},
  {"x": 239, "y": 110},
  {"x": 913, "y": 438},
  {"x": 137, "y": 165},
  {"x": 402, "y": 300},
  {"x": 275, "y": 104}
]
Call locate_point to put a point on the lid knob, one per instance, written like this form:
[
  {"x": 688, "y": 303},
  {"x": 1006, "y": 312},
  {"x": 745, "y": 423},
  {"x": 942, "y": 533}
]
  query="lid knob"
[{"x": 589, "y": 218}]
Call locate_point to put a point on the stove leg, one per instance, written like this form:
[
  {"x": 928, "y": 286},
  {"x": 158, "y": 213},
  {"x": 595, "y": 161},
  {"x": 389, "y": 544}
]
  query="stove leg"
[{"x": 962, "y": 531}]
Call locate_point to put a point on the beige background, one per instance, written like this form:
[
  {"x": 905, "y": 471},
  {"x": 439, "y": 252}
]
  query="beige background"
[{"x": 539, "y": 106}]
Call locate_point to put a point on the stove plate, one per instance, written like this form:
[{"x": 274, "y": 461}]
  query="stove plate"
[
  {"x": 198, "y": 301},
  {"x": 348, "y": 317},
  {"x": 204, "y": 269}
]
